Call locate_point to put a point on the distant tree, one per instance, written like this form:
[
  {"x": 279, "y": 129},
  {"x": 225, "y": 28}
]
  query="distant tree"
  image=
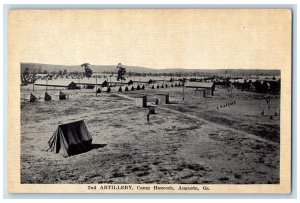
[
  {"x": 65, "y": 72},
  {"x": 60, "y": 72},
  {"x": 121, "y": 72},
  {"x": 26, "y": 71},
  {"x": 178, "y": 74},
  {"x": 45, "y": 72},
  {"x": 87, "y": 69},
  {"x": 39, "y": 70}
]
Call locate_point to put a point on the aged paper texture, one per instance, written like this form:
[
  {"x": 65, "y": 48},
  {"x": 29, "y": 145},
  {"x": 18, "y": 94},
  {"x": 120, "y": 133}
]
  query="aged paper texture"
[{"x": 204, "y": 105}]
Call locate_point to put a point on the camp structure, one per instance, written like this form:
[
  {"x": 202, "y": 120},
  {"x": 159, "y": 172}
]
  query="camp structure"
[
  {"x": 157, "y": 86},
  {"x": 144, "y": 80},
  {"x": 142, "y": 87},
  {"x": 47, "y": 97},
  {"x": 90, "y": 83},
  {"x": 124, "y": 88},
  {"x": 141, "y": 101},
  {"x": 61, "y": 83},
  {"x": 208, "y": 87},
  {"x": 32, "y": 98},
  {"x": 137, "y": 87},
  {"x": 71, "y": 139},
  {"x": 130, "y": 88},
  {"x": 98, "y": 90},
  {"x": 106, "y": 89},
  {"x": 61, "y": 95},
  {"x": 118, "y": 89},
  {"x": 161, "y": 99}
]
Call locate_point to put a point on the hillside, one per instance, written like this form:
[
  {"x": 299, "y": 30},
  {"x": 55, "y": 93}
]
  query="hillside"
[{"x": 36, "y": 67}]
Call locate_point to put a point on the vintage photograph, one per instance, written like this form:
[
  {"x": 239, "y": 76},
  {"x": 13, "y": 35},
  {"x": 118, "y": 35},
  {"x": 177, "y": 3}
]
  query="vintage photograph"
[
  {"x": 125, "y": 124},
  {"x": 189, "y": 97}
]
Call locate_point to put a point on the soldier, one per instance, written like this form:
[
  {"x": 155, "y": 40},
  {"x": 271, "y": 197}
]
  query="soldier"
[{"x": 148, "y": 117}]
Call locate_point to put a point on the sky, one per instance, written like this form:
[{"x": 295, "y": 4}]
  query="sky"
[{"x": 153, "y": 38}]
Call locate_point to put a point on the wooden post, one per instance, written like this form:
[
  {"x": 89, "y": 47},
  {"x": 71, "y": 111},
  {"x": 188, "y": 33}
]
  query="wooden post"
[
  {"x": 96, "y": 85},
  {"x": 183, "y": 91}
]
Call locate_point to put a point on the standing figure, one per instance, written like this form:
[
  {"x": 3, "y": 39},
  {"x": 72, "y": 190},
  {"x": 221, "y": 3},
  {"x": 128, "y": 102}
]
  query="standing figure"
[{"x": 148, "y": 117}]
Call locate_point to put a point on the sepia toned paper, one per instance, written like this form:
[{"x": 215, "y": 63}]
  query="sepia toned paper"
[{"x": 158, "y": 39}]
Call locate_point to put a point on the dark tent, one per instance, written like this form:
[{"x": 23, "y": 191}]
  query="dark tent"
[
  {"x": 98, "y": 90},
  {"x": 62, "y": 95},
  {"x": 143, "y": 87},
  {"x": 131, "y": 88},
  {"x": 138, "y": 87},
  {"x": 106, "y": 89},
  {"x": 124, "y": 88},
  {"x": 32, "y": 98},
  {"x": 105, "y": 84},
  {"x": 73, "y": 86},
  {"x": 70, "y": 139},
  {"x": 47, "y": 97},
  {"x": 119, "y": 89}
]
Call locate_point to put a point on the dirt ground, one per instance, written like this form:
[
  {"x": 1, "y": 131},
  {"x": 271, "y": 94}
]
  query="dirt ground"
[{"x": 186, "y": 142}]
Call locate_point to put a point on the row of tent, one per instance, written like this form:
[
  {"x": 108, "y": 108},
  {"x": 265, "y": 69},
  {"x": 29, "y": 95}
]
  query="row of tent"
[
  {"x": 47, "y": 97},
  {"x": 166, "y": 85},
  {"x": 62, "y": 96},
  {"x": 126, "y": 88}
]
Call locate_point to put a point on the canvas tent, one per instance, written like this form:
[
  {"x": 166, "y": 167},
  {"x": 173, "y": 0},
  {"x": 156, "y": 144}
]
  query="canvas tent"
[
  {"x": 131, "y": 88},
  {"x": 106, "y": 89},
  {"x": 32, "y": 98},
  {"x": 137, "y": 87},
  {"x": 47, "y": 97},
  {"x": 71, "y": 139},
  {"x": 62, "y": 95},
  {"x": 124, "y": 88},
  {"x": 118, "y": 88}
]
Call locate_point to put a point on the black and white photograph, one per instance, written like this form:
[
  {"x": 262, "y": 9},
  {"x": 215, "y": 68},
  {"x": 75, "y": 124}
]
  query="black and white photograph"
[{"x": 186, "y": 97}]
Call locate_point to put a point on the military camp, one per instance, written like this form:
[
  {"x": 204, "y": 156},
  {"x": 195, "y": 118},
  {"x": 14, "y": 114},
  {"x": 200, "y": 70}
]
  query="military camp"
[{"x": 123, "y": 125}]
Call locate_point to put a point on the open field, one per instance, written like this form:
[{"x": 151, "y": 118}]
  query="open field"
[{"x": 185, "y": 142}]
